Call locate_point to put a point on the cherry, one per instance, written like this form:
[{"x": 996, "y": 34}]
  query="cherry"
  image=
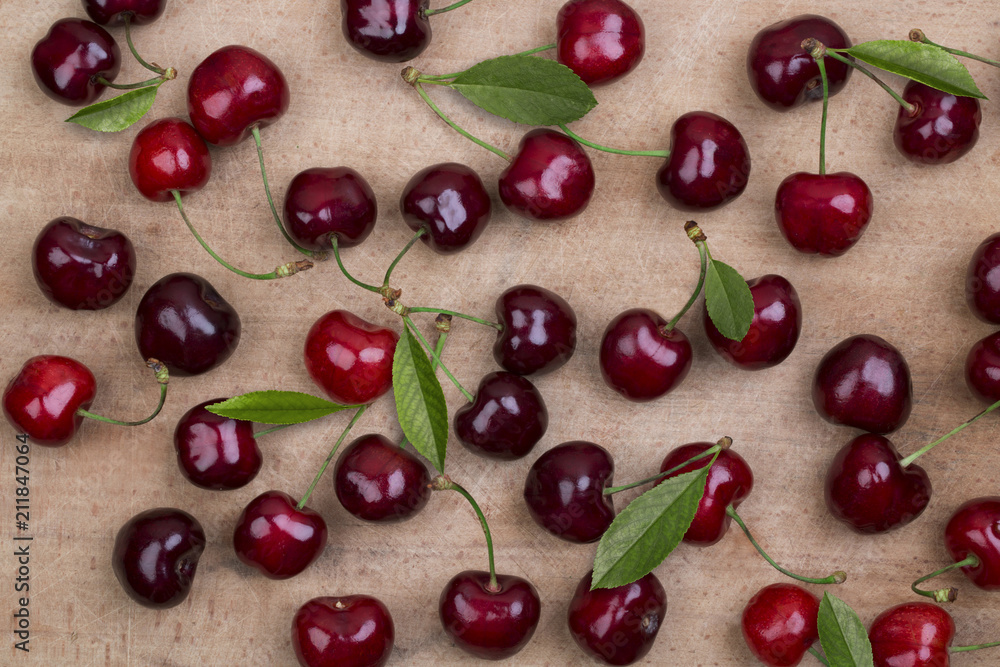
[
  {"x": 983, "y": 281},
  {"x": 450, "y": 202},
  {"x": 70, "y": 59},
  {"x": 823, "y": 214},
  {"x": 168, "y": 155},
  {"x": 864, "y": 382},
  {"x": 565, "y": 491},
  {"x": 278, "y": 538},
  {"x": 780, "y": 624},
  {"x": 539, "y": 330},
  {"x": 82, "y": 267},
  {"x": 774, "y": 331},
  {"x": 549, "y": 179},
  {"x": 974, "y": 530},
  {"x": 322, "y": 203},
  {"x": 350, "y": 359},
  {"x": 234, "y": 90},
  {"x": 640, "y": 358},
  {"x": 216, "y": 452},
  {"x": 507, "y": 419},
  {"x": 982, "y": 369},
  {"x": 941, "y": 128},
  {"x": 140, "y": 12},
  {"x": 156, "y": 554},
  {"x": 915, "y": 634},
  {"x": 349, "y": 631},
  {"x": 487, "y": 622},
  {"x": 600, "y": 40},
  {"x": 43, "y": 398},
  {"x": 617, "y": 626},
  {"x": 391, "y": 32},
  {"x": 377, "y": 480}
]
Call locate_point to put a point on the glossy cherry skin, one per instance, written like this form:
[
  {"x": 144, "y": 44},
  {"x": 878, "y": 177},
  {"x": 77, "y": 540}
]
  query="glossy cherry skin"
[
  {"x": 234, "y": 90},
  {"x": 709, "y": 163},
  {"x": 377, "y": 480},
  {"x": 783, "y": 74},
  {"x": 549, "y": 179},
  {"x": 915, "y": 634},
  {"x": 982, "y": 369},
  {"x": 774, "y": 331},
  {"x": 82, "y": 267},
  {"x": 277, "y": 539},
  {"x": 941, "y": 129},
  {"x": 617, "y": 626},
  {"x": 325, "y": 202},
  {"x": 982, "y": 287},
  {"x": 215, "y": 452},
  {"x": 450, "y": 201},
  {"x": 42, "y": 399},
  {"x": 600, "y": 40},
  {"x": 350, "y": 359},
  {"x": 780, "y": 624},
  {"x": 392, "y": 31},
  {"x": 156, "y": 554},
  {"x": 539, "y": 330},
  {"x": 68, "y": 61},
  {"x": 107, "y": 12},
  {"x": 640, "y": 359},
  {"x": 349, "y": 631},
  {"x": 974, "y": 529},
  {"x": 168, "y": 155},
  {"x": 506, "y": 420},
  {"x": 565, "y": 491},
  {"x": 864, "y": 382},
  {"x": 492, "y": 625},
  {"x": 823, "y": 214}
]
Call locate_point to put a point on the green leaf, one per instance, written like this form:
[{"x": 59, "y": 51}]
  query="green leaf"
[
  {"x": 926, "y": 63},
  {"x": 842, "y": 634},
  {"x": 728, "y": 299},
  {"x": 276, "y": 407},
  {"x": 527, "y": 90},
  {"x": 118, "y": 113},
  {"x": 420, "y": 404}
]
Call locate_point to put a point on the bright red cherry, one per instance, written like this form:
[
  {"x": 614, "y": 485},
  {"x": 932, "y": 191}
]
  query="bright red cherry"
[
  {"x": 108, "y": 12},
  {"x": 42, "y": 399},
  {"x": 489, "y": 624},
  {"x": 350, "y": 359},
  {"x": 600, "y": 40},
  {"x": 915, "y": 634},
  {"x": 774, "y": 331},
  {"x": 982, "y": 369},
  {"x": 391, "y": 31},
  {"x": 377, "y": 480},
  {"x": 349, "y": 631},
  {"x": 974, "y": 529},
  {"x": 941, "y": 128},
  {"x": 506, "y": 420},
  {"x": 325, "y": 202},
  {"x": 983, "y": 281},
  {"x": 216, "y": 452},
  {"x": 68, "y": 61},
  {"x": 168, "y": 155},
  {"x": 450, "y": 201},
  {"x": 823, "y": 214},
  {"x": 549, "y": 179},
  {"x": 277, "y": 538},
  {"x": 780, "y": 624},
  {"x": 640, "y": 358},
  {"x": 539, "y": 330}
]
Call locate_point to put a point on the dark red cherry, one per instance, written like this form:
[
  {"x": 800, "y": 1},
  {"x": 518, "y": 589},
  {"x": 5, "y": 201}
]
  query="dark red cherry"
[
  {"x": 450, "y": 202},
  {"x": 982, "y": 286},
  {"x": 186, "y": 324},
  {"x": 234, "y": 90},
  {"x": 640, "y": 358},
  {"x": 108, "y": 12},
  {"x": 774, "y": 331},
  {"x": 780, "y": 624},
  {"x": 506, "y": 420},
  {"x": 617, "y": 626},
  {"x": 539, "y": 330},
  {"x": 216, "y": 452},
  {"x": 349, "y": 631},
  {"x": 709, "y": 163},
  {"x": 325, "y": 202},
  {"x": 377, "y": 480},
  {"x": 42, "y": 399},
  {"x": 68, "y": 61},
  {"x": 982, "y": 369},
  {"x": 156, "y": 554},
  {"x": 392, "y": 31},
  {"x": 549, "y": 179},
  {"x": 783, "y": 74},
  {"x": 942, "y": 127},
  {"x": 82, "y": 267},
  {"x": 864, "y": 382},
  {"x": 565, "y": 491},
  {"x": 600, "y": 40},
  {"x": 276, "y": 538},
  {"x": 823, "y": 214},
  {"x": 350, "y": 359},
  {"x": 168, "y": 155},
  {"x": 915, "y": 634},
  {"x": 974, "y": 529},
  {"x": 489, "y": 624}
]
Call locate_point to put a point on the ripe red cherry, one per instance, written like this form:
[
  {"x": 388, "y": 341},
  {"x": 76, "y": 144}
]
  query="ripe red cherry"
[
  {"x": 82, "y": 267},
  {"x": 774, "y": 331},
  {"x": 325, "y": 202},
  {"x": 539, "y": 330},
  {"x": 42, "y": 399},
  {"x": 640, "y": 358},
  {"x": 709, "y": 163},
  {"x": 450, "y": 202},
  {"x": 780, "y": 624},
  {"x": 141, "y": 12},
  {"x": 377, "y": 480},
  {"x": 234, "y": 90},
  {"x": 942, "y": 127},
  {"x": 506, "y": 420},
  {"x": 600, "y": 40},
  {"x": 783, "y": 74},
  {"x": 492, "y": 625},
  {"x": 823, "y": 214},
  {"x": 915, "y": 634},
  {"x": 974, "y": 529},
  {"x": 617, "y": 626},
  {"x": 350, "y": 359},
  {"x": 982, "y": 369},
  {"x": 549, "y": 179},
  {"x": 982, "y": 287},
  {"x": 156, "y": 554},
  {"x": 68, "y": 61},
  {"x": 392, "y": 32},
  {"x": 276, "y": 538},
  {"x": 864, "y": 382},
  {"x": 349, "y": 631},
  {"x": 168, "y": 155},
  {"x": 216, "y": 452}
]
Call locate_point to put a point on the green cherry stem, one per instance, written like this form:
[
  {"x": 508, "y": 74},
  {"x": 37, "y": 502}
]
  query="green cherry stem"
[
  {"x": 920, "y": 452},
  {"x": 943, "y": 595},
  {"x": 819, "y": 656},
  {"x": 268, "y": 431},
  {"x": 148, "y": 83},
  {"x": 430, "y": 78},
  {"x": 616, "y": 151},
  {"x": 421, "y": 232},
  {"x": 444, "y": 483},
  {"x": 436, "y": 358},
  {"x": 835, "y": 54},
  {"x": 442, "y": 10},
  {"x": 821, "y": 63},
  {"x": 162, "y": 376},
  {"x": 724, "y": 443},
  {"x": 960, "y": 649},
  {"x": 421, "y": 309},
  {"x": 128, "y": 38},
  {"x": 333, "y": 452},
  {"x": 917, "y": 35},
  {"x": 347, "y": 274},
  {"x": 699, "y": 239}
]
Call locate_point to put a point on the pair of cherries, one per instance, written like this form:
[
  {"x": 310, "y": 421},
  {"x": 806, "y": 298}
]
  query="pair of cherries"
[{"x": 982, "y": 364}]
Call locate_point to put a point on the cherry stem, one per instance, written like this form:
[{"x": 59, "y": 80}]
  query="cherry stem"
[
  {"x": 821, "y": 63},
  {"x": 148, "y": 83},
  {"x": 436, "y": 358},
  {"x": 944, "y": 594},
  {"x": 723, "y": 444},
  {"x": 162, "y": 376},
  {"x": 833, "y": 53},
  {"x": 960, "y": 649},
  {"x": 420, "y": 90},
  {"x": 819, "y": 656},
  {"x": 917, "y": 454},
  {"x": 917, "y": 35},
  {"x": 272, "y": 430},
  {"x": 444, "y": 483},
  {"x": 616, "y": 151},
  {"x": 336, "y": 255},
  {"x": 698, "y": 237},
  {"x": 498, "y": 327},
  {"x": 421, "y": 232},
  {"x": 430, "y": 78},
  {"x": 333, "y": 452},
  {"x": 128, "y": 38},
  {"x": 432, "y": 12}
]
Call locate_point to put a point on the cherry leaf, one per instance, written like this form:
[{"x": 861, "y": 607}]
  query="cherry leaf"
[
  {"x": 842, "y": 634},
  {"x": 728, "y": 299},
  {"x": 118, "y": 113},
  {"x": 276, "y": 407},
  {"x": 926, "y": 63},
  {"x": 420, "y": 403}
]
